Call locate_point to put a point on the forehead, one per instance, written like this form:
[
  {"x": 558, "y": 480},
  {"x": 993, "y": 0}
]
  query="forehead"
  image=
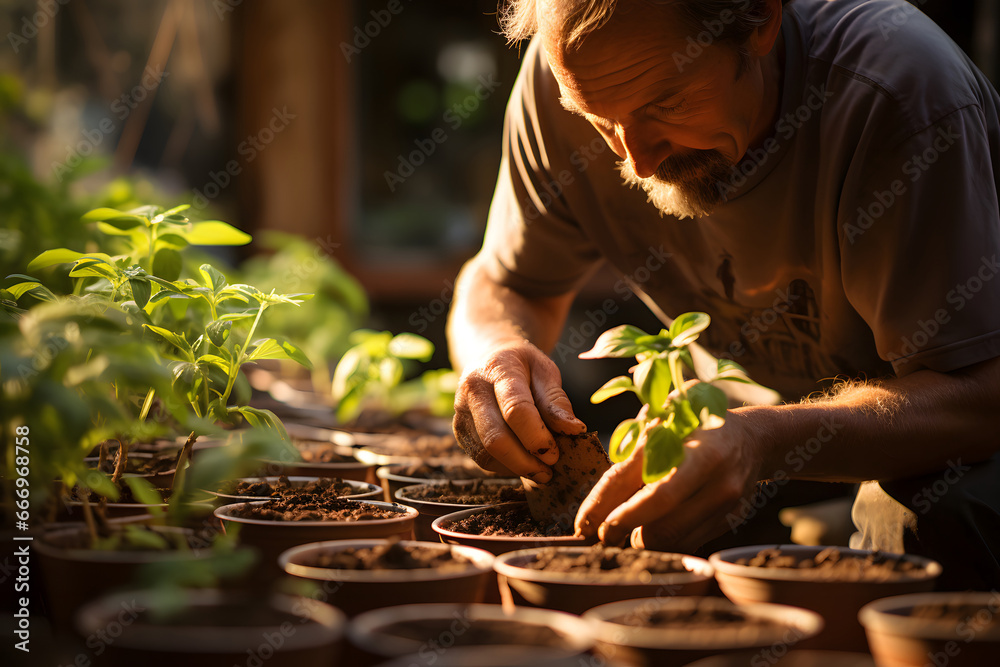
[{"x": 619, "y": 64}]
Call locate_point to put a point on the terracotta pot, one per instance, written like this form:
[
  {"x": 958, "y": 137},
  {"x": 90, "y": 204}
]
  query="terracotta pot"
[
  {"x": 635, "y": 644},
  {"x": 500, "y": 656},
  {"x": 361, "y": 490},
  {"x": 431, "y": 510},
  {"x": 280, "y": 631},
  {"x": 576, "y": 592},
  {"x": 838, "y": 601},
  {"x": 73, "y": 574},
  {"x": 391, "y": 480},
  {"x": 794, "y": 659},
  {"x": 898, "y": 639},
  {"x": 497, "y": 544},
  {"x": 357, "y": 591},
  {"x": 271, "y": 538},
  {"x": 432, "y": 629},
  {"x": 349, "y": 469}
]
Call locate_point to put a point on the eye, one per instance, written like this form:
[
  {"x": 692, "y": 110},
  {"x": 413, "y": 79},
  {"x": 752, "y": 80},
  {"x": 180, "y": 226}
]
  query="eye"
[{"x": 663, "y": 110}]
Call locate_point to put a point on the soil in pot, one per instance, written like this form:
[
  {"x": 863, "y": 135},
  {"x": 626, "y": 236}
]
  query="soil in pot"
[
  {"x": 833, "y": 581},
  {"x": 504, "y": 521},
  {"x": 674, "y": 631},
  {"x": 138, "y": 463},
  {"x": 360, "y": 575},
  {"x": 960, "y": 629},
  {"x": 575, "y": 579},
  {"x": 395, "y": 476},
  {"x": 321, "y": 459},
  {"x": 475, "y": 493},
  {"x": 312, "y": 507},
  {"x": 834, "y": 563},
  {"x": 283, "y": 487}
]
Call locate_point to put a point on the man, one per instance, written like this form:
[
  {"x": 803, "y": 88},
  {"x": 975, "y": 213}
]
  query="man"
[{"x": 822, "y": 179}]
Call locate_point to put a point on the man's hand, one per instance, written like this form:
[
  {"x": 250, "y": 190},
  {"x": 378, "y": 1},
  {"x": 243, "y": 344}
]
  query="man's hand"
[
  {"x": 506, "y": 409},
  {"x": 686, "y": 508}
]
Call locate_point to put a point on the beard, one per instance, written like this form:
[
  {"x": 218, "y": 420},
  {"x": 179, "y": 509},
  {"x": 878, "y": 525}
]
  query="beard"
[{"x": 684, "y": 185}]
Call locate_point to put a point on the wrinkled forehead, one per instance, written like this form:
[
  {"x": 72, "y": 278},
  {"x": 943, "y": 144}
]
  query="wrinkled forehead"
[{"x": 641, "y": 46}]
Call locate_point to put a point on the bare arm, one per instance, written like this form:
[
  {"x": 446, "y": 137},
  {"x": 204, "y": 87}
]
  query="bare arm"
[
  {"x": 510, "y": 397},
  {"x": 895, "y": 428}
]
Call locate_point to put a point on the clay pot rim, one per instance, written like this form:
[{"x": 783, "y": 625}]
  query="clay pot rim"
[
  {"x": 406, "y": 514},
  {"x": 576, "y": 631},
  {"x": 44, "y": 546},
  {"x": 439, "y": 527},
  {"x": 698, "y": 569},
  {"x": 491, "y": 481},
  {"x": 481, "y": 562},
  {"x": 369, "y": 490},
  {"x": 327, "y": 628},
  {"x": 372, "y": 457},
  {"x": 723, "y": 563},
  {"x": 794, "y": 657},
  {"x": 808, "y": 623},
  {"x": 878, "y": 616}
]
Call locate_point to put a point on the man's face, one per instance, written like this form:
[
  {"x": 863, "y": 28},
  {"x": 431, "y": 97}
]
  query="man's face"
[{"x": 679, "y": 126}]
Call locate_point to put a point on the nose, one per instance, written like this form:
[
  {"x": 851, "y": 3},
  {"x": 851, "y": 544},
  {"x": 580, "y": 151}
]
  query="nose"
[{"x": 644, "y": 154}]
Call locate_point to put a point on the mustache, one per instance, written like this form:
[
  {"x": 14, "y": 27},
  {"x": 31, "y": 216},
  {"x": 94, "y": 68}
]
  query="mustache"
[{"x": 687, "y": 167}]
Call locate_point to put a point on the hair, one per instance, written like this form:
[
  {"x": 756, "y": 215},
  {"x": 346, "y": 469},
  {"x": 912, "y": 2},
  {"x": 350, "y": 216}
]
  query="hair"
[{"x": 519, "y": 19}]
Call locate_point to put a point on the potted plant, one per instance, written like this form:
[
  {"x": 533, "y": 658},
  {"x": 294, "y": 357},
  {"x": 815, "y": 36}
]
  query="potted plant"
[
  {"x": 575, "y": 579},
  {"x": 369, "y": 574},
  {"x": 833, "y": 581},
  {"x": 441, "y": 498},
  {"x": 432, "y": 629},
  {"x": 674, "y": 631},
  {"x": 502, "y": 528},
  {"x": 960, "y": 629}
]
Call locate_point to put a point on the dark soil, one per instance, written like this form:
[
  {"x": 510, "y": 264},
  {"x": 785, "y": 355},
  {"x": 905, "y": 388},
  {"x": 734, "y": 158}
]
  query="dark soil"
[
  {"x": 442, "y": 472},
  {"x": 124, "y": 495},
  {"x": 476, "y": 633},
  {"x": 607, "y": 561},
  {"x": 833, "y": 563},
  {"x": 506, "y": 522},
  {"x": 696, "y": 619},
  {"x": 975, "y": 616},
  {"x": 321, "y": 452},
  {"x": 392, "y": 556},
  {"x": 476, "y": 493},
  {"x": 141, "y": 465},
  {"x": 253, "y": 614},
  {"x": 309, "y": 507},
  {"x": 323, "y": 487}
]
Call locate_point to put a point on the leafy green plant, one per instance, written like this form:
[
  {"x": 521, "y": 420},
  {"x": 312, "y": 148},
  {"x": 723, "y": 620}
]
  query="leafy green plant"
[
  {"x": 671, "y": 410},
  {"x": 370, "y": 373}
]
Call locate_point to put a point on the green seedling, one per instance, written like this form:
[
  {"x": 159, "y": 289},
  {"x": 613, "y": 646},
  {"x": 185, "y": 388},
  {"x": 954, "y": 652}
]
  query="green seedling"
[{"x": 671, "y": 409}]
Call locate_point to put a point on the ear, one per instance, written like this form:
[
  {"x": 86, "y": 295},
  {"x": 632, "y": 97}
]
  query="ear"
[{"x": 763, "y": 38}]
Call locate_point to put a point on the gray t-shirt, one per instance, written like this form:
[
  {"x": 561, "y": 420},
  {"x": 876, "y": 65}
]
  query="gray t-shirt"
[{"x": 861, "y": 239}]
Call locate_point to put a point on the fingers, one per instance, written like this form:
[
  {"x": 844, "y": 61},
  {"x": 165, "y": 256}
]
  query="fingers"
[
  {"x": 683, "y": 531},
  {"x": 615, "y": 487},
  {"x": 515, "y": 400},
  {"x": 485, "y": 429},
  {"x": 553, "y": 403}
]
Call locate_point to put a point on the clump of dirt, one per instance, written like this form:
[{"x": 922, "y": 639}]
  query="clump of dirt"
[
  {"x": 310, "y": 507},
  {"x": 696, "y": 618},
  {"x": 476, "y": 493},
  {"x": 501, "y": 521},
  {"x": 282, "y": 488},
  {"x": 607, "y": 562},
  {"x": 443, "y": 472},
  {"x": 833, "y": 563},
  {"x": 391, "y": 556}
]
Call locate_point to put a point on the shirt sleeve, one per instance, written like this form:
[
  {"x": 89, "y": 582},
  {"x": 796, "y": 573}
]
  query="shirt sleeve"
[
  {"x": 920, "y": 244},
  {"x": 533, "y": 243}
]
